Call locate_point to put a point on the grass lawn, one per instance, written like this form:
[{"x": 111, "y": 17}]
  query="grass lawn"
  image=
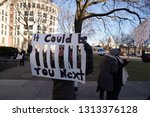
[{"x": 137, "y": 70}]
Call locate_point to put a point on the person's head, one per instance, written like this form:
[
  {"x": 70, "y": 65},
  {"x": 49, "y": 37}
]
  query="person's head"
[
  {"x": 61, "y": 50},
  {"x": 115, "y": 52}
]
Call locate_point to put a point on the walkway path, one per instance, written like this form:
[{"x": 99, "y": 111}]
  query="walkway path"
[{"x": 17, "y": 83}]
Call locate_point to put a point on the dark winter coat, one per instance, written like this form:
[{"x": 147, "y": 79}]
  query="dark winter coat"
[
  {"x": 108, "y": 66},
  {"x": 118, "y": 75},
  {"x": 63, "y": 89}
]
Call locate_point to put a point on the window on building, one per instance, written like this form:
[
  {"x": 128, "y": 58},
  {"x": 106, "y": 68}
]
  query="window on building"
[
  {"x": 50, "y": 29},
  {"x": 49, "y": 9},
  {"x": 20, "y": 5},
  {"x": 25, "y": 32},
  {"x": 2, "y": 12},
  {"x": 31, "y": 19},
  {"x": 38, "y": 27},
  {"x": 19, "y": 13},
  {"x": 38, "y": 5},
  {"x": 17, "y": 5},
  {"x": 44, "y": 20},
  {"x": 31, "y": 27},
  {"x": 46, "y": 8},
  {"x": 51, "y": 17},
  {"x": 50, "y": 22},
  {"x": 39, "y": 14},
  {"x": 18, "y": 33},
  {"x": 2, "y": 18},
  {"x": 33, "y": 5},
  {"x": 18, "y": 27},
  {"x": 5, "y": 32},
  {"x": 44, "y": 28},
  {"x": 29, "y": 5},
  {"x": 31, "y": 13},
  {"x": 44, "y": 15},
  {"x": 2, "y": 32},
  {"x": 26, "y": 13},
  {"x": 52, "y": 10},
  {"x": 43, "y": 7},
  {"x": 18, "y": 19},
  {"x": 31, "y": 32},
  {"x": 24, "y": 5}
]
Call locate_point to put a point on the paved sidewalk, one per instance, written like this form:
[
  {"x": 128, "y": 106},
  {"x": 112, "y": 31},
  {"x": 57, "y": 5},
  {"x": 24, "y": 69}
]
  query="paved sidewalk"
[{"x": 18, "y": 84}]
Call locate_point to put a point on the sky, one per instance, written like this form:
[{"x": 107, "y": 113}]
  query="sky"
[{"x": 99, "y": 32}]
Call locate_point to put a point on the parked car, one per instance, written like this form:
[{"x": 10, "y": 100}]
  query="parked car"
[
  {"x": 101, "y": 52},
  {"x": 145, "y": 57},
  {"x": 8, "y": 52}
]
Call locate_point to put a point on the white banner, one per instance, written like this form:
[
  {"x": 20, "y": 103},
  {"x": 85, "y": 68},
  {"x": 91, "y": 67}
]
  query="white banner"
[
  {"x": 78, "y": 108},
  {"x": 142, "y": 32},
  {"x": 45, "y": 60}
]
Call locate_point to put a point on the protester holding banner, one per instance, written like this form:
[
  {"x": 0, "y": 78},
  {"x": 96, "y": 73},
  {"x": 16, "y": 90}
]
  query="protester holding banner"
[
  {"x": 63, "y": 89},
  {"x": 51, "y": 56}
]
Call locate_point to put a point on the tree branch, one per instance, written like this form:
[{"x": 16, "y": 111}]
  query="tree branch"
[
  {"x": 111, "y": 12},
  {"x": 3, "y": 2}
]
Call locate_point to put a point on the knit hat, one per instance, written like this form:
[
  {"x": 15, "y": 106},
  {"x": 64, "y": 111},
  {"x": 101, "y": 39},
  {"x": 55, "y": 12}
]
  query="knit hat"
[{"x": 114, "y": 52}]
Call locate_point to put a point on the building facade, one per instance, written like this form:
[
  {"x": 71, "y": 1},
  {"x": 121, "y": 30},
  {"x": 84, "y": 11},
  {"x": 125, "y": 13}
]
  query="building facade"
[
  {"x": 4, "y": 25},
  {"x": 26, "y": 17}
]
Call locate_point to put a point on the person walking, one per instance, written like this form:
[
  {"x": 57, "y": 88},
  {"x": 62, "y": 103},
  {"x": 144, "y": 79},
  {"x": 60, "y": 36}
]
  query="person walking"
[
  {"x": 111, "y": 74},
  {"x": 23, "y": 58}
]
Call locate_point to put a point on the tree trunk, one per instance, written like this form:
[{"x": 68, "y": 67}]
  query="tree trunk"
[{"x": 78, "y": 25}]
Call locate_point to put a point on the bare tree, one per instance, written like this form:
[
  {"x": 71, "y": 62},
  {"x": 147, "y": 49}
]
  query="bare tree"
[
  {"x": 27, "y": 16},
  {"x": 2, "y": 2},
  {"x": 119, "y": 11}
]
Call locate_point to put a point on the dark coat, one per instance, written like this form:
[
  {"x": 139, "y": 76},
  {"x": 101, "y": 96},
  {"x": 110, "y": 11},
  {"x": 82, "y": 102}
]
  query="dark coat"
[
  {"x": 63, "y": 89},
  {"x": 108, "y": 66},
  {"x": 118, "y": 75}
]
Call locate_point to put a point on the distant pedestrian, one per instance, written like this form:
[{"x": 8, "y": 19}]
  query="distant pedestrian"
[
  {"x": 112, "y": 75},
  {"x": 22, "y": 60}
]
